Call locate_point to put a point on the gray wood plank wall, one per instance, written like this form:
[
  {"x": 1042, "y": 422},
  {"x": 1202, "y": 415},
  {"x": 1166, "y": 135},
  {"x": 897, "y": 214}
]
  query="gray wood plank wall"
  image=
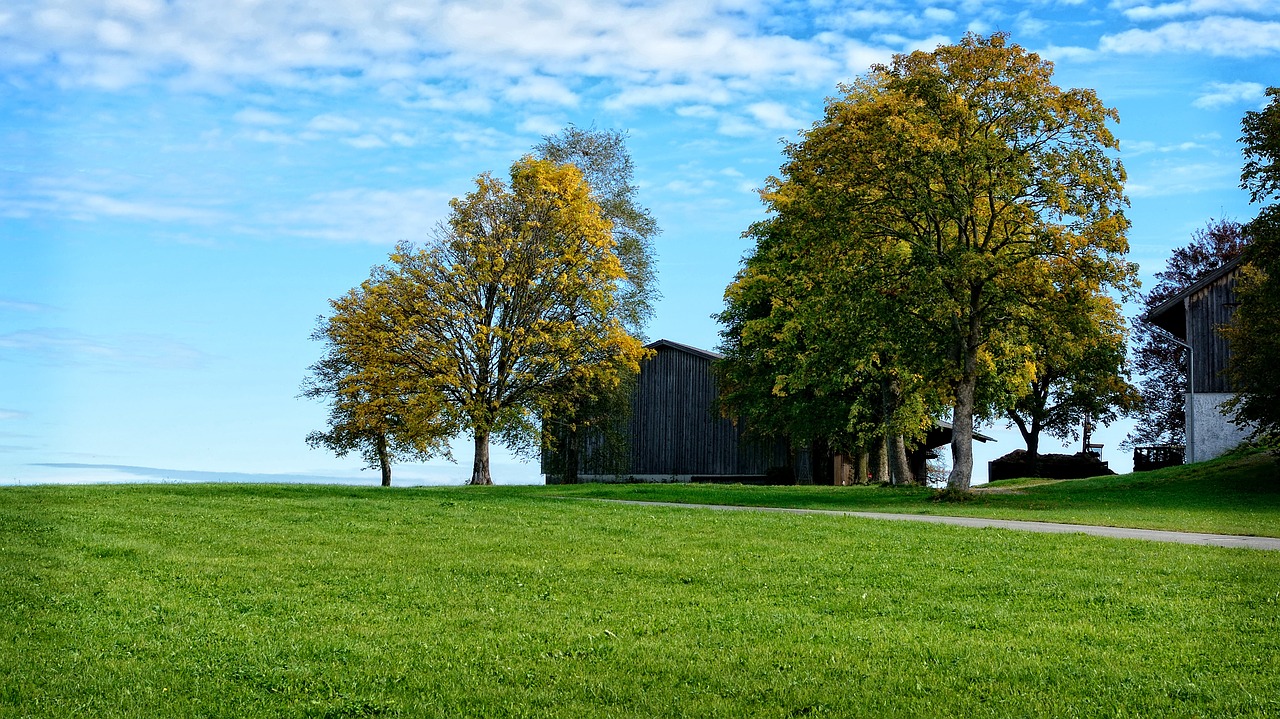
[{"x": 1207, "y": 310}]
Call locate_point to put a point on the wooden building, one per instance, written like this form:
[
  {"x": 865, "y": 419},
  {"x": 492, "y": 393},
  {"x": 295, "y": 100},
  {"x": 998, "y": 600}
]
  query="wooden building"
[
  {"x": 1193, "y": 317},
  {"x": 676, "y": 434}
]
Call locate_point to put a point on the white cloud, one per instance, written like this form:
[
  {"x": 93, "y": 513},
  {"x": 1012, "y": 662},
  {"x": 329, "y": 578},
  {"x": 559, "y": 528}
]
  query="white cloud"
[
  {"x": 255, "y": 116},
  {"x": 1216, "y": 36},
  {"x": 542, "y": 90},
  {"x": 540, "y": 125},
  {"x": 775, "y": 116},
  {"x": 529, "y": 46},
  {"x": 333, "y": 123},
  {"x": 1140, "y": 10},
  {"x": 11, "y": 414},
  {"x": 1228, "y": 93},
  {"x": 367, "y": 215},
  {"x": 367, "y": 141},
  {"x": 21, "y": 306}
]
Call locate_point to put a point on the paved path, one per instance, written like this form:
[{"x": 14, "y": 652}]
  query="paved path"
[{"x": 1153, "y": 535}]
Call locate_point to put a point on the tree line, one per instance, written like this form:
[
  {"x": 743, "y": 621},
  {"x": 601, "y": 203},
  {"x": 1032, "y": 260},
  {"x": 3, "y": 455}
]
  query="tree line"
[{"x": 947, "y": 243}]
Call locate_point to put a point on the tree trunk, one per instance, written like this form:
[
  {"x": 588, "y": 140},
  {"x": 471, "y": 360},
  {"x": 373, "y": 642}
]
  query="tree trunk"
[
  {"x": 480, "y": 468},
  {"x": 962, "y": 416},
  {"x": 962, "y": 434},
  {"x": 384, "y": 460},
  {"x": 901, "y": 465},
  {"x": 882, "y": 462},
  {"x": 864, "y": 467},
  {"x": 1033, "y": 453}
]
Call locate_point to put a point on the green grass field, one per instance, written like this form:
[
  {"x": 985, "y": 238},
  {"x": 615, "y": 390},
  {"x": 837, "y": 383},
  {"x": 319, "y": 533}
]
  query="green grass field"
[
  {"x": 1233, "y": 495},
  {"x": 305, "y": 601}
]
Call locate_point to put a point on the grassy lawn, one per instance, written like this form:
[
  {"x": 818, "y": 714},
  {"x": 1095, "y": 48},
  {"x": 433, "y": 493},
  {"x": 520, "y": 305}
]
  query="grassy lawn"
[
  {"x": 305, "y": 601},
  {"x": 1238, "y": 495}
]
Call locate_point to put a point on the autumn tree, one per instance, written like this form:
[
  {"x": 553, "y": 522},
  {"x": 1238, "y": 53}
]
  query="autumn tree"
[
  {"x": 513, "y": 299},
  {"x": 946, "y": 183},
  {"x": 593, "y": 407},
  {"x": 1161, "y": 362},
  {"x": 1255, "y": 329},
  {"x": 375, "y": 411},
  {"x": 1080, "y": 372}
]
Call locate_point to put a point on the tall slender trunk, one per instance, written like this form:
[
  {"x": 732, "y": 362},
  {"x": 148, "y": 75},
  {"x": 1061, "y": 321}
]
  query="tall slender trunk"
[
  {"x": 384, "y": 459},
  {"x": 480, "y": 468},
  {"x": 864, "y": 466},
  {"x": 901, "y": 465}
]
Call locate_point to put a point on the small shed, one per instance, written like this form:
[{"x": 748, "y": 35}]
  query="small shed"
[{"x": 1193, "y": 317}]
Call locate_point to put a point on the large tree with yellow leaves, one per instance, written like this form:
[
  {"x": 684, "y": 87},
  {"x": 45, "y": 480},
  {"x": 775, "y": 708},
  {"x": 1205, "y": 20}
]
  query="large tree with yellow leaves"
[
  {"x": 930, "y": 206},
  {"x": 507, "y": 308}
]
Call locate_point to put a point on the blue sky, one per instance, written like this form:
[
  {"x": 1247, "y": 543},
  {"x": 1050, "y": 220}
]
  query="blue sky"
[{"x": 183, "y": 185}]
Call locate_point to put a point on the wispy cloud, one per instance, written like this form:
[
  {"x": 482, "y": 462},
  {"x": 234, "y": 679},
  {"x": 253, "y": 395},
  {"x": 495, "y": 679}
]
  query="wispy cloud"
[
  {"x": 60, "y": 346},
  {"x": 1230, "y": 93},
  {"x": 23, "y": 306},
  {"x": 12, "y": 414},
  {"x": 1217, "y": 36},
  {"x": 1141, "y": 10},
  {"x": 367, "y": 215}
]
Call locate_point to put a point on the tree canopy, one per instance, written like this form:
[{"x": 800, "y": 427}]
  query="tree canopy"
[
  {"x": 1255, "y": 329},
  {"x": 491, "y": 322},
  {"x": 1161, "y": 362},
  {"x": 916, "y": 233}
]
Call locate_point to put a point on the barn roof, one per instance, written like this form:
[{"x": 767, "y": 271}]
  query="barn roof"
[
  {"x": 705, "y": 354},
  {"x": 1171, "y": 315}
]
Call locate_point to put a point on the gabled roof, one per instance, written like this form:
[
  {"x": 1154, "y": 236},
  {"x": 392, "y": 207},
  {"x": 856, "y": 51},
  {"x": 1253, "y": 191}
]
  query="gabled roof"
[
  {"x": 1171, "y": 315},
  {"x": 705, "y": 354}
]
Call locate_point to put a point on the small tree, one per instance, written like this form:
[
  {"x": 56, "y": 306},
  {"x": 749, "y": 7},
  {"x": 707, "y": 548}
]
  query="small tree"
[
  {"x": 1080, "y": 369},
  {"x": 371, "y": 411},
  {"x": 512, "y": 301}
]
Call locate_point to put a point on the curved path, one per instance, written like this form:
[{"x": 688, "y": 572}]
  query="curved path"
[{"x": 1153, "y": 535}]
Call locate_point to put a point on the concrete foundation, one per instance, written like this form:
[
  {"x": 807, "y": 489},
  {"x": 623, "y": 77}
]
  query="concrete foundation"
[{"x": 1214, "y": 434}]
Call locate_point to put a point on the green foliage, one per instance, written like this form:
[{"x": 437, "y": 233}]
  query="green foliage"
[
  {"x": 505, "y": 313},
  {"x": 372, "y": 409},
  {"x": 1080, "y": 370},
  {"x": 274, "y": 601},
  {"x": 1255, "y": 329},
  {"x": 916, "y": 234},
  {"x": 1160, "y": 361}
]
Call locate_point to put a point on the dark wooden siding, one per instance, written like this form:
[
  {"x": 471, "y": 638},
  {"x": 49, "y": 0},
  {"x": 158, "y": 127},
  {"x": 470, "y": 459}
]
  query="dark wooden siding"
[
  {"x": 675, "y": 429},
  {"x": 1207, "y": 310}
]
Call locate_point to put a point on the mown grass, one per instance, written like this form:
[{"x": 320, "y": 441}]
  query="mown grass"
[
  {"x": 305, "y": 601},
  {"x": 1233, "y": 495}
]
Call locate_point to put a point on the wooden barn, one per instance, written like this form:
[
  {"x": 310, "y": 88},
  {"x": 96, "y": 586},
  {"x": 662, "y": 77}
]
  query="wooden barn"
[
  {"x": 1193, "y": 317},
  {"x": 676, "y": 434}
]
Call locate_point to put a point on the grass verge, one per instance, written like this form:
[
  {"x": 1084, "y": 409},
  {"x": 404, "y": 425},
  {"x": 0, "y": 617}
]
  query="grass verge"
[
  {"x": 1233, "y": 495},
  {"x": 304, "y": 601}
]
